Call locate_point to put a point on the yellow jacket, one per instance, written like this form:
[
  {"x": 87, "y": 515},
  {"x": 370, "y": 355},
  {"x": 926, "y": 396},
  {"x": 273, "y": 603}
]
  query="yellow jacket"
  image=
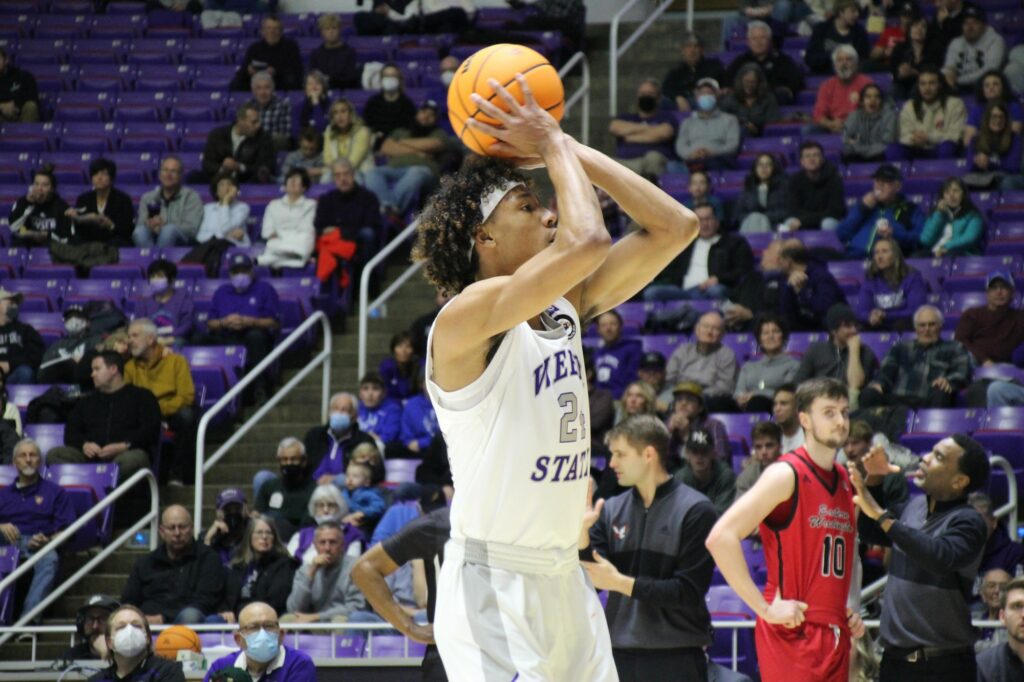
[{"x": 168, "y": 378}]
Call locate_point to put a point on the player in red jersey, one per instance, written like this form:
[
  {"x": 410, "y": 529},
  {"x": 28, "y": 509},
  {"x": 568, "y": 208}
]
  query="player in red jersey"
[{"x": 803, "y": 507}]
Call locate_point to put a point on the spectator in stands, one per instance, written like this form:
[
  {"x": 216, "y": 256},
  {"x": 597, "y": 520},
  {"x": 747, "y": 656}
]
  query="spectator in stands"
[
  {"x": 309, "y": 157},
  {"x": 922, "y": 47},
  {"x": 226, "y": 218},
  {"x": 699, "y": 187},
  {"x": 882, "y": 212},
  {"x": 993, "y": 582},
  {"x": 365, "y": 503},
  {"x": 815, "y": 192},
  {"x": 350, "y": 209},
  {"x": 870, "y": 128},
  {"x": 652, "y": 372},
  {"x": 262, "y": 653},
  {"x": 839, "y": 95},
  {"x": 316, "y": 106},
  {"x": 710, "y": 268},
  {"x": 935, "y": 533},
  {"x": 708, "y": 363},
  {"x": 1014, "y": 70},
  {"x": 119, "y": 423},
  {"x": 1000, "y": 550},
  {"x": 391, "y": 108},
  {"x": 993, "y": 332},
  {"x": 399, "y": 369},
  {"x": 335, "y": 59},
  {"x": 168, "y": 376},
  {"x": 680, "y": 81},
  {"x": 992, "y": 88},
  {"x": 706, "y": 473},
  {"x": 784, "y": 76},
  {"x": 931, "y": 122},
  {"x": 644, "y": 139},
  {"x": 773, "y": 367},
  {"x": 330, "y": 446},
  {"x": 1005, "y": 662},
  {"x": 368, "y": 454},
  {"x": 437, "y": 16},
  {"x": 326, "y": 505},
  {"x": 68, "y": 359},
  {"x": 651, "y": 631},
  {"x": 777, "y": 12},
  {"x": 616, "y": 360},
  {"x": 810, "y": 289},
  {"x": 169, "y": 215},
  {"x": 995, "y": 153},
  {"x": 762, "y": 205},
  {"x": 750, "y": 101},
  {"x": 893, "y": 35},
  {"x": 41, "y": 214},
  {"x": 419, "y": 422},
  {"x": 181, "y": 581},
  {"x": 949, "y": 20},
  {"x": 415, "y": 156},
  {"x": 955, "y": 226},
  {"x": 379, "y": 415},
  {"x": 347, "y": 137},
  {"x": 242, "y": 150},
  {"x": 129, "y": 647},
  {"x": 924, "y": 372},
  {"x": 275, "y": 112},
  {"x": 21, "y": 346},
  {"x": 324, "y": 591},
  {"x": 105, "y": 213},
  {"x": 32, "y": 512},
  {"x": 710, "y": 139},
  {"x": 843, "y": 356},
  {"x": 765, "y": 448},
  {"x": 10, "y": 420},
  {"x": 288, "y": 225},
  {"x": 842, "y": 29},
  {"x": 273, "y": 55},
  {"x": 91, "y": 628},
  {"x": 689, "y": 414},
  {"x": 638, "y": 398},
  {"x": 19, "y": 99},
  {"x": 859, "y": 444},
  {"x": 285, "y": 498},
  {"x": 225, "y": 534},
  {"x": 170, "y": 308},
  {"x": 245, "y": 311},
  {"x": 786, "y": 415},
  {"x": 891, "y": 291},
  {"x": 260, "y": 570},
  {"x": 979, "y": 49}
]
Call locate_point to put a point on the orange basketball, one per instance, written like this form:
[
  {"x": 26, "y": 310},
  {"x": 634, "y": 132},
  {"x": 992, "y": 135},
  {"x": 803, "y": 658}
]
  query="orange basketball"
[
  {"x": 501, "y": 62},
  {"x": 177, "y": 638}
]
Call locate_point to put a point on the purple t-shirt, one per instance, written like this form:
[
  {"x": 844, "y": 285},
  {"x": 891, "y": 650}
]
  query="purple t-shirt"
[
  {"x": 632, "y": 150},
  {"x": 259, "y": 300},
  {"x": 175, "y": 314}
]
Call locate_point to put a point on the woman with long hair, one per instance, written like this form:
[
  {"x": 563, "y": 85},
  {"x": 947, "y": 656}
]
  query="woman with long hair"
[
  {"x": 347, "y": 137},
  {"x": 871, "y": 128},
  {"x": 758, "y": 379},
  {"x": 261, "y": 570},
  {"x": 955, "y": 227},
  {"x": 995, "y": 152},
  {"x": 751, "y": 100},
  {"x": 638, "y": 398},
  {"x": 316, "y": 106},
  {"x": 41, "y": 214},
  {"x": 398, "y": 370},
  {"x": 992, "y": 87},
  {"x": 764, "y": 202},
  {"x": 130, "y": 651},
  {"x": 922, "y": 46},
  {"x": 892, "y": 290}
]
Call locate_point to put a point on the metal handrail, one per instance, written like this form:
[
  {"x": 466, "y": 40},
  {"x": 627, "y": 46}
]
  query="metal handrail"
[
  {"x": 583, "y": 92},
  {"x": 364, "y": 287},
  {"x": 51, "y": 546},
  {"x": 614, "y": 51},
  {"x": 323, "y": 357},
  {"x": 1009, "y": 510}
]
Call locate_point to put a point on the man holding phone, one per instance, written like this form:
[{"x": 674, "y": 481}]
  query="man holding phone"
[{"x": 169, "y": 215}]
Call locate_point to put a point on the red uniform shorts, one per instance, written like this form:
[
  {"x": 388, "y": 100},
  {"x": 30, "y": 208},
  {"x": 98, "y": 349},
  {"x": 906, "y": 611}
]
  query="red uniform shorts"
[{"x": 812, "y": 652}]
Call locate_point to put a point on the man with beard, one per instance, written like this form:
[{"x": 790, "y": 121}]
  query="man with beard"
[
  {"x": 838, "y": 96},
  {"x": 1005, "y": 663}
]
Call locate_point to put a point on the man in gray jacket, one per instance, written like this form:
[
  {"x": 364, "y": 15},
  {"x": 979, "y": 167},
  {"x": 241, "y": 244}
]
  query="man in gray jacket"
[
  {"x": 169, "y": 215},
  {"x": 646, "y": 547},
  {"x": 324, "y": 592},
  {"x": 978, "y": 50},
  {"x": 710, "y": 138}
]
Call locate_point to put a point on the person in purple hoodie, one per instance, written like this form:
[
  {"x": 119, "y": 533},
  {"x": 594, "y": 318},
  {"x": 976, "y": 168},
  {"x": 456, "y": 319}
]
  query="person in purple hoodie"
[
  {"x": 892, "y": 290},
  {"x": 262, "y": 652},
  {"x": 810, "y": 289},
  {"x": 170, "y": 309},
  {"x": 617, "y": 361},
  {"x": 399, "y": 369},
  {"x": 379, "y": 415},
  {"x": 419, "y": 424}
]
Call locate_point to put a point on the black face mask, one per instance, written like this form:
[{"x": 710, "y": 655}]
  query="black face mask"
[
  {"x": 234, "y": 522},
  {"x": 647, "y": 102},
  {"x": 293, "y": 474}
]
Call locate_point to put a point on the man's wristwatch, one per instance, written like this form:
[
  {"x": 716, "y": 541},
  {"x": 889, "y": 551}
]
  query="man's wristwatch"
[{"x": 886, "y": 516}]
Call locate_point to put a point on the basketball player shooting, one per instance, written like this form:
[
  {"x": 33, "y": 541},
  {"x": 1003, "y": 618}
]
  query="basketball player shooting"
[
  {"x": 804, "y": 505},
  {"x": 506, "y": 376}
]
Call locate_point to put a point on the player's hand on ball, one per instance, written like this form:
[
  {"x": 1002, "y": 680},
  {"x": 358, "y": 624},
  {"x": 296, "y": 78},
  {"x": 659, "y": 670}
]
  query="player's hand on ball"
[
  {"x": 525, "y": 129},
  {"x": 788, "y": 612}
]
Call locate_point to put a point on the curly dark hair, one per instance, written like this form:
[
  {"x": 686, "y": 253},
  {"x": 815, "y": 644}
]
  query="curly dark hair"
[{"x": 450, "y": 221}]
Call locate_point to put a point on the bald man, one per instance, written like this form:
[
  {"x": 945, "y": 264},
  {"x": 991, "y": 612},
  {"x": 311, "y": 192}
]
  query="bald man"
[
  {"x": 181, "y": 581},
  {"x": 262, "y": 652}
]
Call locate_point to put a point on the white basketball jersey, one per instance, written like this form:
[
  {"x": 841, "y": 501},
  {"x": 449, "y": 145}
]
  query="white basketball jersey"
[{"x": 519, "y": 437}]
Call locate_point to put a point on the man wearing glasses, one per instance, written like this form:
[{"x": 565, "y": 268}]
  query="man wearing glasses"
[
  {"x": 925, "y": 372},
  {"x": 181, "y": 581},
  {"x": 262, "y": 652}
]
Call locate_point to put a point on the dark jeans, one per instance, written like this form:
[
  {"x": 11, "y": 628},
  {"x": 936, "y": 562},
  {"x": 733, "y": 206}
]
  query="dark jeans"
[
  {"x": 958, "y": 668},
  {"x": 870, "y": 397},
  {"x": 183, "y": 451},
  {"x": 643, "y": 665}
]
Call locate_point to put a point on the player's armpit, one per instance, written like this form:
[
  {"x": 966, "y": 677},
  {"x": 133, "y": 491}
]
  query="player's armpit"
[{"x": 775, "y": 486}]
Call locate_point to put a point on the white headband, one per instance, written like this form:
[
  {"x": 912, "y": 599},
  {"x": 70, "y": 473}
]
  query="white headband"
[{"x": 489, "y": 202}]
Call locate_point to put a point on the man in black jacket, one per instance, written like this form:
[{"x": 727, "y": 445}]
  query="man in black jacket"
[
  {"x": 181, "y": 581},
  {"x": 328, "y": 446},
  {"x": 783, "y": 75},
  {"x": 21, "y": 346},
  {"x": 19, "y": 97},
  {"x": 646, "y": 547},
  {"x": 710, "y": 268},
  {"x": 815, "y": 198},
  {"x": 242, "y": 150},
  {"x": 350, "y": 209},
  {"x": 118, "y": 423},
  {"x": 275, "y": 54},
  {"x": 679, "y": 83}
]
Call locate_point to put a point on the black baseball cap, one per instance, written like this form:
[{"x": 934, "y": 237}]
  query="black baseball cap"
[
  {"x": 652, "y": 360},
  {"x": 240, "y": 261},
  {"x": 974, "y": 12},
  {"x": 700, "y": 440},
  {"x": 887, "y": 173}
]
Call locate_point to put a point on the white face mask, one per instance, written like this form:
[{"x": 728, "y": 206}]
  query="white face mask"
[
  {"x": 389, "y": 83},
  {"x": 447, "y": 77},
  {"x": 75, "y": 324},
  {"x": 130, "y": 641}
]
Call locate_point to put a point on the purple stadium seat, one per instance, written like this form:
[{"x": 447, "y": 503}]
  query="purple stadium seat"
[
  {"x": 847, "y": 271},
  {"x": 799, "y": 342},
  {"x": 86, "y": 485},
  {"x": 8, "y": 475},
  {"x": 393, "y": 646},
  {"x": 401, "y": 470},
  {"x": 940, "y": 168},
  {"x": 47, "y": 436},
  {"x": 743, "y": 345},
  {"x": 738, "y": 425},
  {"x": 665, "y": 344},
  {"x": 231, "y": 358},
  {"x": 932, "y": 425},
  {"x": 84, "y": 290},
  {"x": 49, "y": 325},
  {"x": 349, "y": 645},
  {"x": 982, "y": 265},
  {"x": 879, "y": 342},
  {"x": 8, "y": 562},
  {"x": 213, "y": 76},
  {"x": 934, "y": 270},
  {"x": 296, "y": 297},
  {"x": 122, "y": 271},
  {"x": 21, "y": 395},
  {"x": 634, "y": 314},
  {"x": 41, "y": 296},
  {"x": 818, "y": 239},
  {"x": 209, "y": 640},
  {"x": 317, "y": 646}
]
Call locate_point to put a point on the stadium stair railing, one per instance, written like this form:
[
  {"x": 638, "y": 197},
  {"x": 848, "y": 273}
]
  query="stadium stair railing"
[
  {"x": 615, "y": 51},
  {"x": 581, "y": 93}
]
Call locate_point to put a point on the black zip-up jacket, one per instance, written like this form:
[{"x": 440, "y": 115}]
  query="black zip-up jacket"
[
  {"x": 20, "y": 344},
  {"x": 730, "y": 259},
  {"x": 273, "y": 583},
  {"x": 158, "y": 585},
  {"x": 813, "y": 200},
  {"x": 128, "y": 415},
  {"x": 662, "y": 547}
]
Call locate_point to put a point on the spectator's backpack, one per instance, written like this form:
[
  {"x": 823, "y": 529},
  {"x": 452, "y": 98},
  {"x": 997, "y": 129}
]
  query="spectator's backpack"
[
  {"x": 52, "y": 407},
  {"x": 672, "y": 321}
]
